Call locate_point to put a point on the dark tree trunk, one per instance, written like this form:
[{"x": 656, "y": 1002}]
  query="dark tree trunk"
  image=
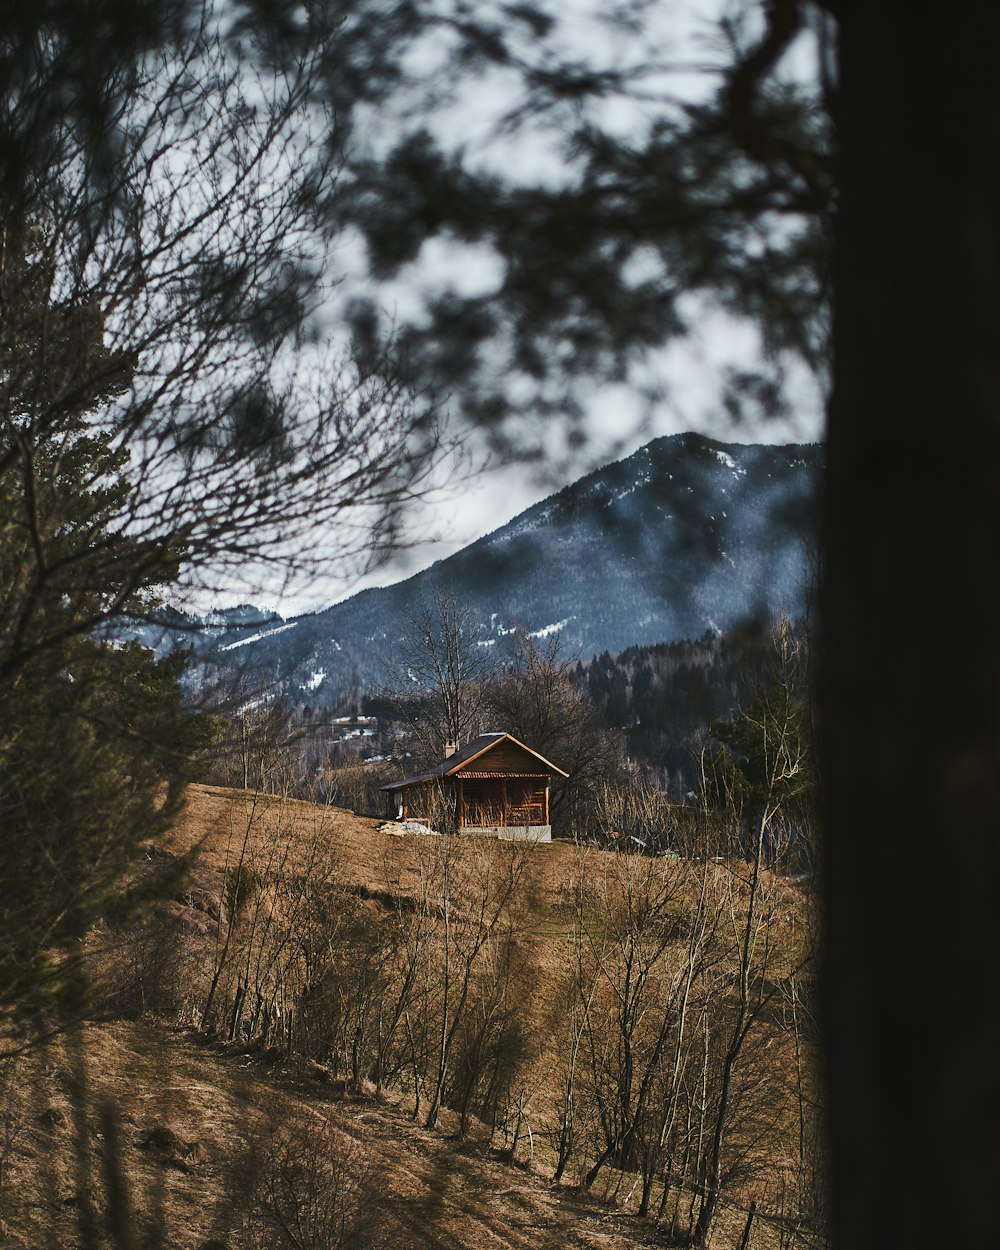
[{"x": 911, "y": 669}]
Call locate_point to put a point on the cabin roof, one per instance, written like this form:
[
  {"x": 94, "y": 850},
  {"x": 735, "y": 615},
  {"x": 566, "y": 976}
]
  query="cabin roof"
[{"x": 472, "y": 751}]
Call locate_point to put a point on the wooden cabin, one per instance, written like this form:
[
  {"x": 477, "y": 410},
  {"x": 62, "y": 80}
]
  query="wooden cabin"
[{"x": 494, "y": 784}]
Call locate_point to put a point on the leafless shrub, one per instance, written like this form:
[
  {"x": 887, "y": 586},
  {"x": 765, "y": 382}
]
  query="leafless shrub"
[
  {"x": 140, "y": 970},
  {"x": 310, "y": 1186}
]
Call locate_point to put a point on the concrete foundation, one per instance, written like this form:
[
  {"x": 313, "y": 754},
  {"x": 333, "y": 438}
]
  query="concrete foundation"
[{"x": 513, "y": 833}]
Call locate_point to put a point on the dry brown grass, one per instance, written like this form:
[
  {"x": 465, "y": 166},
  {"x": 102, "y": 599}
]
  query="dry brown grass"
[{"x": 189, "y": 1106}]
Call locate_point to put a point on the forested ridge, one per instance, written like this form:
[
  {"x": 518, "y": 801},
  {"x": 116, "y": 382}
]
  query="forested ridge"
[{"x": 666, "y": 697}]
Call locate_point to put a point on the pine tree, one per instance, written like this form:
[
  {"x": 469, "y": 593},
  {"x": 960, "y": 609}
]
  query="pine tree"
[
  {"x": 95, "y": 746},
  {"x": 762, "y": 764}
]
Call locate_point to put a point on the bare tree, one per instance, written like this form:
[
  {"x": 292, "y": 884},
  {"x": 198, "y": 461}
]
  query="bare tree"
[
  {"x": 478, "y": 891},
  {"x": 277, "y": 863},
  {"x": 647, "y": 959},
  {"x": 438, "y": 669},
  {"x": 681, "y": 969},
  {"x": 760, "y": 961},
  {"x": 492, "y": 1044},
  {"x": 534, "y": 699},
  {"x": 258, "y": 745},
  {"x": 583, "y": 980},
  {"x": 168, "y": 310}
]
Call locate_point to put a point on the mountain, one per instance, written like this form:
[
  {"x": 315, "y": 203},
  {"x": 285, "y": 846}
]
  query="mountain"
[{"x": 687, "y": 535}]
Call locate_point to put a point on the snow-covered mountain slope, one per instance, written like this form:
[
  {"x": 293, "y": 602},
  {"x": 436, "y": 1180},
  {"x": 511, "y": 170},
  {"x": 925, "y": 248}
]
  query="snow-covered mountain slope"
[{"x": 685, "y": 535}]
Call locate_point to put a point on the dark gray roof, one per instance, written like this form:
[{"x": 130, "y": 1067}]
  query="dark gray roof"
[{"x": 462, "y": 756}]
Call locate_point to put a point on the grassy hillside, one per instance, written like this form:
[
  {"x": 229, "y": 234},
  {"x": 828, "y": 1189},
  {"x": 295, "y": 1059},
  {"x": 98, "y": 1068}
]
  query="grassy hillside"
[
  {"x": 197, "y": 1117},
  {"x": 337, "y": 1034}
]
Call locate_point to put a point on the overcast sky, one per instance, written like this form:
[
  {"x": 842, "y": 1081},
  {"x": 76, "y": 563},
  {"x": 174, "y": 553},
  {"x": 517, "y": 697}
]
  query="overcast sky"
[{"x": 688, "y": 376}]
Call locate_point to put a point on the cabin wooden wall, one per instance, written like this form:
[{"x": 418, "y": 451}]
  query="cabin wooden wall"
[{"x": 506, "y": 758}]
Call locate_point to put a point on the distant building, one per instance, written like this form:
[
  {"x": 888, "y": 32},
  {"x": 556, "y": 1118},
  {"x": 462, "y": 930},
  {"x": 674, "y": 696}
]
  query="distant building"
[{"x": 494, "y": 785}]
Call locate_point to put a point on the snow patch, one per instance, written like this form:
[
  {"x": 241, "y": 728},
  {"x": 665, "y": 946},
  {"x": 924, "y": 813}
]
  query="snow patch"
[
  {"x": 252, "y": 705},
  {"x": 729, "y": 462},
  {"x": 547, "y": 630},
  {"x": 265, "y": 633}
]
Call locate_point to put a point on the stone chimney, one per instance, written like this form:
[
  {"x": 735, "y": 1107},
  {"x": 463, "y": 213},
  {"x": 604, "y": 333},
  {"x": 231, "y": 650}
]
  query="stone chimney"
[{"x": 450, "y": 748}]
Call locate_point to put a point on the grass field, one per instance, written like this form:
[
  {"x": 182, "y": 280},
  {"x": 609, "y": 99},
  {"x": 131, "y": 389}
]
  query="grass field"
[{"x": 146, "y": 1128}]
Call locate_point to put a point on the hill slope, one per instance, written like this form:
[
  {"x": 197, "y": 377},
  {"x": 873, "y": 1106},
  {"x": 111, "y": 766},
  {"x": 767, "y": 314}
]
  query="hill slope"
[
  {"x": 193, "y": 1113},
  {"x": 222, "y": 1114}
]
